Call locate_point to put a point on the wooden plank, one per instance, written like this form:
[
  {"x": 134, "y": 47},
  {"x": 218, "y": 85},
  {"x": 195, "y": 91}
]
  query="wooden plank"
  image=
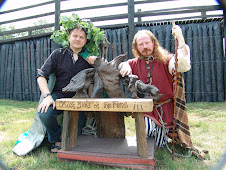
[
  {"x": 107, "y": 104},
  {"x": 125, "y": 41},
  {"x": 15, "y": 31},
  {"x": 21, "y": 68},
  {"x": 26, "y": 18},
  {"x": 25, "y": 73},
  {"x": 94, "y": 7},
  {"x": 70, "y": 130},
  {"x": 12, "y": 89},
  {"x": 131, "y": 15},
  {"x": 29, "y": 70},
  {"x": 110, "y": 151},
  {"x": 3, "y": 71},
  {"x": 118, "y": 33},
  {"x": 57, "y": 15},
  {"x": 141, "y": 135},
  {"x": 110, "y": 124},
  {"x": 37, "y": 62},
  {"x": 108, "y": 34},
  {"x": 26, "y": 7},
  {"x": 115, "y": 43}
]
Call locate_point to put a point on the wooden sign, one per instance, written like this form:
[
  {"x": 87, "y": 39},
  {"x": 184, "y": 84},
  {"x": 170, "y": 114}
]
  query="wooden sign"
[{"x": 106, "y": 104}]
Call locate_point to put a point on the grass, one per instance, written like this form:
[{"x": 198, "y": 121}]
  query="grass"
[{"x": 207, "y": 126}]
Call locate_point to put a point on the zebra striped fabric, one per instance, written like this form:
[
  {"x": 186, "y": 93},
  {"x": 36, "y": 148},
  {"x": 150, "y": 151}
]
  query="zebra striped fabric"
[{"x": 158, "y": 133}]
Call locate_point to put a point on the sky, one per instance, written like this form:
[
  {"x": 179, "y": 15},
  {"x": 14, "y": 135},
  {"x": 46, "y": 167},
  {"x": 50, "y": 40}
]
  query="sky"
[{"x": 14, "y": 4}]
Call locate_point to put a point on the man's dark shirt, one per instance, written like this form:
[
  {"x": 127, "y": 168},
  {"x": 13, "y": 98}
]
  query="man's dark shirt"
[{"x": 61, "y": 62}]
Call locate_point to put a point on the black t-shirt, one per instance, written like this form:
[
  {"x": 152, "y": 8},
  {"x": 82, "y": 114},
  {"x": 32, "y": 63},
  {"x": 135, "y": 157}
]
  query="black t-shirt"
[{"x": 62, "y": 63}]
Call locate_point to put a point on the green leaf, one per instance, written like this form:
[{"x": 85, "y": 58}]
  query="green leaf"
[{"x": 94, "y": 35}]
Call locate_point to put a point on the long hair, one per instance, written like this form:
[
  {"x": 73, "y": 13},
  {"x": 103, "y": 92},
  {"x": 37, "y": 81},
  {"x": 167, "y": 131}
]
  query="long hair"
[{"x": 159, "y": 53}]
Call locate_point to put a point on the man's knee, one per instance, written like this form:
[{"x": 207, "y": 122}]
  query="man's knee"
[{"x": 49, "y": 115}]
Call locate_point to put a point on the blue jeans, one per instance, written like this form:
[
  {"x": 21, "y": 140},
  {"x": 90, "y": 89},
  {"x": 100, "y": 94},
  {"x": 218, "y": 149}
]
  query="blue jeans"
[{"x": 49, "y": 120}]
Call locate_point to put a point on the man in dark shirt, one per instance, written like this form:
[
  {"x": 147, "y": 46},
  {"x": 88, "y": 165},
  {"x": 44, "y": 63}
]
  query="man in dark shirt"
[{"x": 65, "y": 63}]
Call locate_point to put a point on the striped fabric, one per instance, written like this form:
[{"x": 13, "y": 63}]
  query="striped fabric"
[
  {"x": 182, "y": 127},
  {"x": 158, "y": 133},
  {"x": 181, "y": 114},
  {"x": 117, "y": 160}
]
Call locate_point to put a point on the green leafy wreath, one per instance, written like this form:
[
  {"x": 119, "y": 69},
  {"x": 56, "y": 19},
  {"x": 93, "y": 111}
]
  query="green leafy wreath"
[{"x": 94, "y": 35}]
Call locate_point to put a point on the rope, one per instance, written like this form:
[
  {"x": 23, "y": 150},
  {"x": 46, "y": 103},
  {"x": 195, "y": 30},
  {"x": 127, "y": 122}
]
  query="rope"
[{"x": 164, "y": 131}]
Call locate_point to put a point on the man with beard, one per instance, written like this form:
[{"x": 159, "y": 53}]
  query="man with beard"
[{"x": 154, "y": 65}]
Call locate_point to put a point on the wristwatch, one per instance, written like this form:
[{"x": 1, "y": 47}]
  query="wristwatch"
[{"x": 47, "y": 94}]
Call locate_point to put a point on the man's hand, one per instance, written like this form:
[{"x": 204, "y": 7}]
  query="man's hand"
[
  {"x": 43, "y": 107},
  {"x": 125, "y": 69},
  {"x": 91, "y": 59},
  {"x": 177, "y": 33}
]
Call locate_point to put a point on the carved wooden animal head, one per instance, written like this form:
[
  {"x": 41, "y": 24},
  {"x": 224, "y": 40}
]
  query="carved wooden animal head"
[
  {"x": 81, "y": 82},
  {"x": 147, "y": 91},
  {"x": 104, "y": 75},
  {"x": 129, "y": 82},
  {"x": 104, "y": 48},
  {"x": 109, "y": 74}
]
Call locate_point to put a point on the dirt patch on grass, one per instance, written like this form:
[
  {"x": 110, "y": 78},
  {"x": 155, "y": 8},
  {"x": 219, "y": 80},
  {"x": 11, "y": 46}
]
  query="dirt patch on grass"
[
  {"x": 3, "y": 136},
  {"x": 2, "y": 123}
]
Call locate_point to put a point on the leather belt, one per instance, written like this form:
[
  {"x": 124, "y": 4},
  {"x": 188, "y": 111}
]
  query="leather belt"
[{"x": 164, "y": 102}]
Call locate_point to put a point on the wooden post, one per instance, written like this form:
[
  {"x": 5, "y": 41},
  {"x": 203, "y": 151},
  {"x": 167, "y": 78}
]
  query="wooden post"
[
  {"x": 70, "y": 130},
  {"x": 57, "y": 20},
  {"x": 224, "y": 47},
  {"x": 131, "y": 26},
  {"x": 203, "y": 14},
  {"x": 142, "y": 146},
  {"x": 110, "y": 124},
  {"x": 57, "y": 15},
  {"x": 139, "y": 17}
]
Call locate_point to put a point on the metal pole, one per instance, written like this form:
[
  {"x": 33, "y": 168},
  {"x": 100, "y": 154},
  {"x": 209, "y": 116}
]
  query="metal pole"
[
  {"x": 57, "y": 19},
  {"x": 131, "y": 26}
]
